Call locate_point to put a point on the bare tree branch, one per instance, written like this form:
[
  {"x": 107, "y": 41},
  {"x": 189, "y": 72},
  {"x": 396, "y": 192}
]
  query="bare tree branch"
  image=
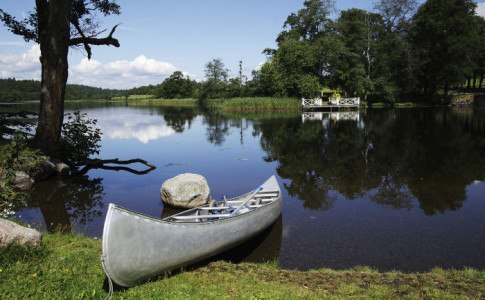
[
  {"x": 86, "y": 45},
  {"x": 86, "y": 41}
]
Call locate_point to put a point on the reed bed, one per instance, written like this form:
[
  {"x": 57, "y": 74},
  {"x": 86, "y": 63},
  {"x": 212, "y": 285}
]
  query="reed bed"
[{"x": 255, "y": 104}]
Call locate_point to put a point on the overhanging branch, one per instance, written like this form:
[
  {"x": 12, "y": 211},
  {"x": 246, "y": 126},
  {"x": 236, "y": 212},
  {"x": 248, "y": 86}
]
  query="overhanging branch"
[
  {"x": 86, "y": 41},
  {"x": 81, "y": 33}
]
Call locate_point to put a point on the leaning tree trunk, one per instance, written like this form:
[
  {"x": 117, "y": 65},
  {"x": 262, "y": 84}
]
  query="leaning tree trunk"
[{"x": 54, "y": 35}]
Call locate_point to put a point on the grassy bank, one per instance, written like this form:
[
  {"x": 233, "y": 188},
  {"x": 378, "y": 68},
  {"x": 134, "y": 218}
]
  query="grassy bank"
[
  {"x": 254, "y": 104},
  {"x": 68, "y": 267},
  {"x": 398, "y": 105}
]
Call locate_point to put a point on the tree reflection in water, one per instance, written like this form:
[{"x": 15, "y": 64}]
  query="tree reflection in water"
[
  {"x": 64, "y": 202},
  {"x": 389, "y": 156},
  {"x": 217, "y": 128},
  {"x": 178, "y": 117}
]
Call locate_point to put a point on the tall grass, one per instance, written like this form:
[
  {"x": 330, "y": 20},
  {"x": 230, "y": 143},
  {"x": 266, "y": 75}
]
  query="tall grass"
[
  {"x": 134, "y": 97},
  {"x": 255, "y": 104}
]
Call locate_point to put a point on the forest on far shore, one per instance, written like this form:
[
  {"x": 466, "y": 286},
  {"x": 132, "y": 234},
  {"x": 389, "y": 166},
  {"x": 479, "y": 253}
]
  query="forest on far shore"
[{"x": 12, "y": 90}]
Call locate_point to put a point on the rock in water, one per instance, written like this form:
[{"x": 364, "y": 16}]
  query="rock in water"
[
  {"x": 23, "y": 181},
  {"x": 12, "y": 233},
  {"x": 60, "y": 168},
  {"x": 185, "y": 191}
]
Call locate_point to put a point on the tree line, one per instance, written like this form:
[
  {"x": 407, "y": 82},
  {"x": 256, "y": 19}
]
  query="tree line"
[
  {"x": 399, "y": 51},
  {"x": 13, "y": 90},
  {"x": 396, "y": 51}
]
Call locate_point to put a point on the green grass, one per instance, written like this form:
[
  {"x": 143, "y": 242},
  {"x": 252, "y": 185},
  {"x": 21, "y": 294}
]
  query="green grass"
[
  {"x": 255, "y": 104},
  {"x": 68, "y": 267}
]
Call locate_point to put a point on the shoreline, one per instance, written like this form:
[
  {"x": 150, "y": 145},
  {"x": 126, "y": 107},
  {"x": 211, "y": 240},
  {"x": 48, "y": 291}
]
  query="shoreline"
[{"x": 68, "y": 266}]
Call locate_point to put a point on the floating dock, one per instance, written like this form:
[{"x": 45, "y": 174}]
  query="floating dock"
[{"x": 333, "y": 103}]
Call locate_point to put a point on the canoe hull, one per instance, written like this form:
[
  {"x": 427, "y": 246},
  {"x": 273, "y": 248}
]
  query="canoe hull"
[{"x": 137, "y": 247}]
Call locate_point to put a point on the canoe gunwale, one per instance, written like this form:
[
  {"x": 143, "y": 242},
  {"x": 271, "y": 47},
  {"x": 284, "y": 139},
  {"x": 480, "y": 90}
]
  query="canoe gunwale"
[{"x": 112, "y": 207}]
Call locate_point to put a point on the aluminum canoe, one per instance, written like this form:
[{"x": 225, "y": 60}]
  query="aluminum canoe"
[{"x": 138, "y": 247}]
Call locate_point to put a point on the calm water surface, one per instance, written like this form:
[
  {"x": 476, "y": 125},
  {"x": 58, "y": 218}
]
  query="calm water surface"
[{"x": 391, "y": 189}]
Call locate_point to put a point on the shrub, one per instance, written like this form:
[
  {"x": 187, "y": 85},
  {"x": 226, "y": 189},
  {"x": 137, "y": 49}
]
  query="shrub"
[
  {"x": 79, "y": 139},
  {"x": 15, "y": 156}
]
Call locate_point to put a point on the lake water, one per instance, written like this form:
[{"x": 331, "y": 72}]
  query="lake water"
[{"x": 391, "y": 189}]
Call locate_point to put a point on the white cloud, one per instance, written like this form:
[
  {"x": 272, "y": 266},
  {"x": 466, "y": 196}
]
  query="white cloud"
[
  {"x": 143, "y": 133},
  {"x": 121, "y": 73},
  {"x": 115, "y": 74},
  {"x": 481, "y": 9},
  {"x": 86, "y": 66},
  {"x": 21, "y": 66},
  {"x": 136, "y": 125},
  {"x": 260, "y": 65}
]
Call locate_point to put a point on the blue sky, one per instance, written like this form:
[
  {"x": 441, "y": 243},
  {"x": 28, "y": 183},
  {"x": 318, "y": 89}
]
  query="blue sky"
[{"x": 159, "y": 37}]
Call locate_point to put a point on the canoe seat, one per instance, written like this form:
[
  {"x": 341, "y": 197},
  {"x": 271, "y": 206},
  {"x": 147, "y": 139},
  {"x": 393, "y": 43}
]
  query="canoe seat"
[{"x": 266, "y": 195}]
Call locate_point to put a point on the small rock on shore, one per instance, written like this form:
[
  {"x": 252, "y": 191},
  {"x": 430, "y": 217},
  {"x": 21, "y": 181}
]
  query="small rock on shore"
[{"x": 13, "y": 233}]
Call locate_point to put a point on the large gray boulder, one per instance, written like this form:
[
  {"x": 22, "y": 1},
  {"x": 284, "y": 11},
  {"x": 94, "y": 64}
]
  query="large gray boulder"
[
  {"x": 13, "y": 233},
  {"x": 185, "y": 191}
]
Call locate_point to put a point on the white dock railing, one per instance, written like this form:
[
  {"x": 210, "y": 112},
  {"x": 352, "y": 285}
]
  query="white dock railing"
[
  {"x": 311, "y": 102},
  {"x": 344, "y": 101}
]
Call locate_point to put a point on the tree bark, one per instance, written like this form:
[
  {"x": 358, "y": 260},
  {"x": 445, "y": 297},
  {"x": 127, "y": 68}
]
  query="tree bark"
[{"x": 54, "y": 35}]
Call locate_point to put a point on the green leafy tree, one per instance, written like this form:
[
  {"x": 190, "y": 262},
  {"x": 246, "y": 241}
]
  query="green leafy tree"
[
  {"x": 309, "y": 22},
  {"x": 177, "y": 86},
  {"x": 479, "y": 57},
  {"x": 296, "y": 61},
  {"x": 216, "y": 71},
  {"x": 358, "y": 32},
  {"x": 296, "y": 68},
  {"x": 57, "y": 25},
  {"x": 396, "y": 13},
  {"x": 395, "y": 69},
  {"x": 216, "y": 79},
  {"x": 445, "y": 38},
  {"x": 268, "y": 81}
]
